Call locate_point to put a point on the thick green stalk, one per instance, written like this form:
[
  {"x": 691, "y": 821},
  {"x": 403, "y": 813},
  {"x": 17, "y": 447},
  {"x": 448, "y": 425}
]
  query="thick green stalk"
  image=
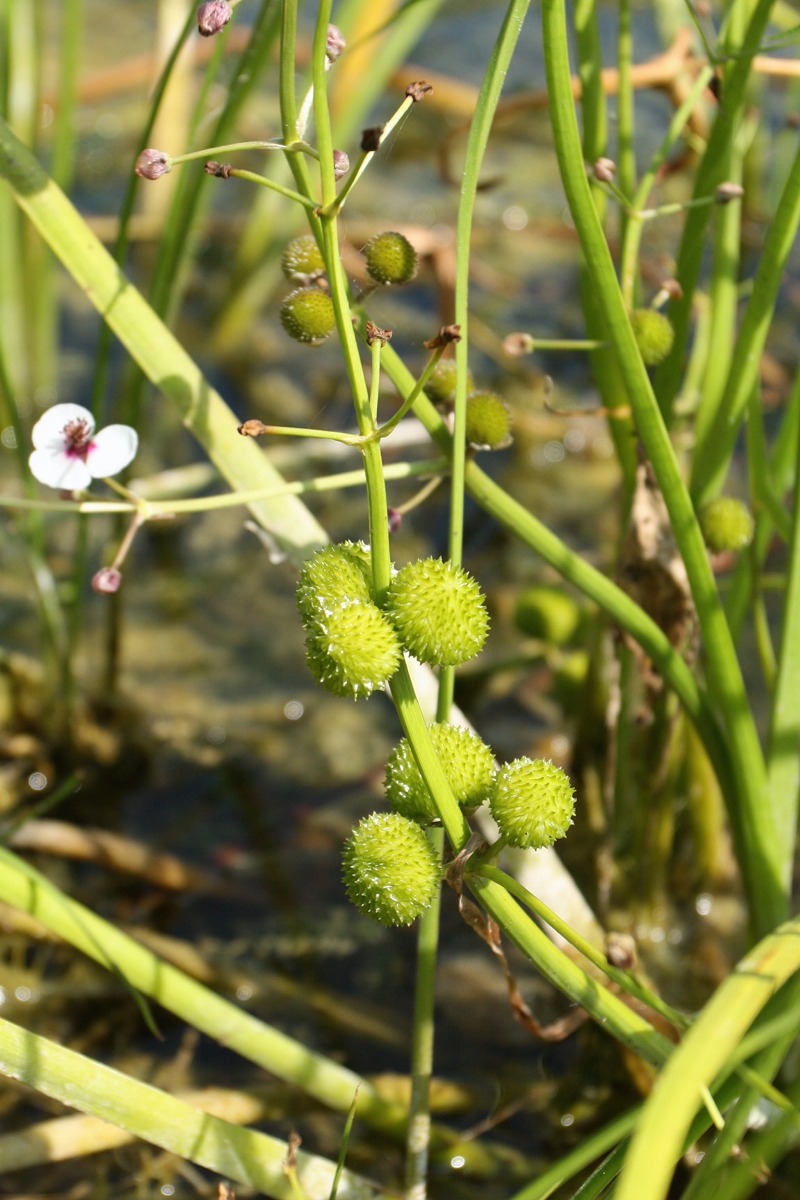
[
  {"x": 762, "y": 855},
  {"x": 704, "y": 1053},
  {"x": 244, "y": 1155},
  {"x": 783, "y": 747},
  {"x": 713, "y": 452},
  {"x": 584, "y": 576},
  {"x": 419, "y": 1118},
  {"x": 24, "y": 888},
  {"x": 711, "y": 173}
]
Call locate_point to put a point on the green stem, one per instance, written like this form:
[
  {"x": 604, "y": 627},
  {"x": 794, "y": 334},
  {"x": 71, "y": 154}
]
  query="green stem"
[
  {"x": 783, "y": 747},
  {"x": 419, "y": 1120},
  {"x": 762, "y": 855},
  {"x": 274, "y": 186},
  {"x": 710, "y": 174},
  {"x": 713, "y": 453},
  {"x": 244, "y": 1155}
]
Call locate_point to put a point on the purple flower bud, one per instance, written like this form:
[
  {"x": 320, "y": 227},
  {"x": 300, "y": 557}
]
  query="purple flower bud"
[
  {"x": 341, "y": 164},
  {"x": 335, "y": 43},
  {"x": 395, "y": 520},
  {"x": 107, "y": 581},
  {"x": 152, "y": 164},
  {"x": 212, "y": 17}
]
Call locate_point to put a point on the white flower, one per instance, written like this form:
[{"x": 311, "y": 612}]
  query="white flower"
[{"x": 69, "y": 454}]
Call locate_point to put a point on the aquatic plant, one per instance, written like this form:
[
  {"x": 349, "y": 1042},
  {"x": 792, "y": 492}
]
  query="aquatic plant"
[{"x": 678, "y": 382}]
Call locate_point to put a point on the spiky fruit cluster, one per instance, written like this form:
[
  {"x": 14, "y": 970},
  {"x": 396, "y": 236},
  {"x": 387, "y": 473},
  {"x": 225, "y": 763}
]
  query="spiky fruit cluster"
[
  {"x": 390, "y": 871},
  {"x": 488, "y": 421},
  {"x": 548, "y": 614},
  {"x": 351, "y": 647},
  {"x": 439, "y": 612},
  {"x": 335, "y": 575},
  {"x": 727, "y": 524},
  {"x": 301, "y": 260},
  {"x": 391, "y": 258},
  {"x": 441, "y": 386},
  {"x": 307, "y": 315},
  {"x": 532, "y": 802},
  {"x": 467, "y": 762},
  {"x": 654, "y": 335}
]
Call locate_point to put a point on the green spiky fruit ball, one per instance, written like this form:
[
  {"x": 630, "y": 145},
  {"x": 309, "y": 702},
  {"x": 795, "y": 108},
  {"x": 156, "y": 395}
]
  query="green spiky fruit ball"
[
  {"x": 352, "y": 650},
  {"x": 488, "y": 421},
  {"x": 391, "y": 258},
  {"x": 654, "y": 335},
  {"x": 727, "y": 524},
  {"x": 334, "y": 576},
  {"x": 467, "y": 762},
  {"x": 549, "y": 614},
  {"x": 390, "y": 871},
  {"x": 441, "y": 386},
  {"x": 532, "y": 802},
  {"x": 301, "y": 260},
  {"x": 439, "y": 612},
  {"x": 307, "y": 315}
]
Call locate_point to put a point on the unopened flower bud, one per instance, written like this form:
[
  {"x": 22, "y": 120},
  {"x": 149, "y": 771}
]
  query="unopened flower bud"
[
  {"x": 334, "y": 43},
  {"x": 212, "y": 17},
  {"x": 604, "y": 170},
  {"x": 728, "y": 191},
  {"x": 341, "y": 164},
  {"x": 395, "y": 519},
  {"x": 152, "y": 164},
  {"x": 106, "y": 581}
]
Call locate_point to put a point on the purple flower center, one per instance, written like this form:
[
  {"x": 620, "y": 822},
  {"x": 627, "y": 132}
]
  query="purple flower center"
[{"x": 77, "y": 437}]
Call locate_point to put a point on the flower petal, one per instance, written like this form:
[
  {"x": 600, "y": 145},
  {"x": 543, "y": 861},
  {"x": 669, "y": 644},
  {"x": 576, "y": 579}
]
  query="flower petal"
[
  {"x": 112, "y": 449},
  {"x": 48, "y": 432},
  {"x": 55, "y": 469}
]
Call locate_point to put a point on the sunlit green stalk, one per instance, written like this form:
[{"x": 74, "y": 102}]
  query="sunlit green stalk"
[
  {"x": 246, "y": 1156},
  {"x": 421, "y": 1066},
  {"x": 703, "y": 1053},
  {"x": 710, "y": 173},
  {"x": 24, "y": 888},
  {"x": 713, "y": 453},
  {"x": 783, "y": 745},
  {"x": 578, "y": 571},
  {"x": 762, "y": 856}
]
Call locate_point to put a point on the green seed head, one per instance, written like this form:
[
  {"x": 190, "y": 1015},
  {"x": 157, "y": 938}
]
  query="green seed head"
[
  {"x": 307, "y": 315},
  {"x": 727, "y": 524},
  {"x": 548, "y": 614},
  {"x": 301, "y": 260},
  {"x": 654, "y": 335},
  {"x": 352, "y": 650},
  {"x": 439, "y": 612},
  {"x": 466, "y": 761},
  {"x": 532, "y": 802},
  {"x": 391, "y": 258},
  {"x": 390, "y": 871},
  {"x": 488, "y": 421},
  {"x": 334, "y": 576},
  {"x": 441, "y": 386}
]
